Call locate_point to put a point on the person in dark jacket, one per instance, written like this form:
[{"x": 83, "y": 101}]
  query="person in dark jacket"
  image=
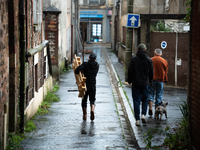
[
  {"x": 140, "y": 74},
  {"x": 90, "y": 70}
]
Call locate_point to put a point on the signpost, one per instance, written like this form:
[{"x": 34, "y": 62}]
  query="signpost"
[{"x": 133, "y": 20}]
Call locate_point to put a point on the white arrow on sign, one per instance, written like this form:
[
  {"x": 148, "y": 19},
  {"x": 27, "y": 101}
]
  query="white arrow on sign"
[{"x": 133, "y": 19}]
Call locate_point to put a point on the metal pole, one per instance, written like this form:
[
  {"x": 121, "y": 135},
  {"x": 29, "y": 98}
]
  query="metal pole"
[
  {"x": 129, "y": 39},
  {"x": 176, "y": 58},
  {"x": 83, "y": 24}
]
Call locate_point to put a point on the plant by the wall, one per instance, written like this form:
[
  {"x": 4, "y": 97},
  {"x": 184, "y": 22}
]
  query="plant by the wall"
[
  {"x": 14, "y": 141},
  {"x": 161, "y": 26},
  {"x": 176, "y": 139},
  {"x": 187, "y": 17},
  {"x": 30, "y": 126}
]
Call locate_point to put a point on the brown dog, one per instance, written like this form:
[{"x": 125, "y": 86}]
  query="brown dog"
[{"x": 160, "y": 110}]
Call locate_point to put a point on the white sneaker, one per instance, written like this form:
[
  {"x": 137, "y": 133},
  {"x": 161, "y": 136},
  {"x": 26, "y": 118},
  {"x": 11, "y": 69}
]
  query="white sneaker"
[
  {"x": 143, "y": 119},
  {"x": 137, "y": 123}
]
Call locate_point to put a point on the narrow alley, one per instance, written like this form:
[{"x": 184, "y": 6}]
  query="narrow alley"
[
  {"x": 63, "y": 128},
  {"x": 39, "y": 39}
]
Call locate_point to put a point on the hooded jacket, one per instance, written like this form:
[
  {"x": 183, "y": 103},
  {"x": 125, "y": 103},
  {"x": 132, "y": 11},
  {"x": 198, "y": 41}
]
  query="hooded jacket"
[
  {"x": 140, "y": 71},
  {"x": 160, "y": 66},
  {"x": 90, "y": 70}
]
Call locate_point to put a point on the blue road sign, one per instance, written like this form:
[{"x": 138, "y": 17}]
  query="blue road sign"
[
  {"x": 163, "y": 44},
  {"x": 133, "y": 20}
]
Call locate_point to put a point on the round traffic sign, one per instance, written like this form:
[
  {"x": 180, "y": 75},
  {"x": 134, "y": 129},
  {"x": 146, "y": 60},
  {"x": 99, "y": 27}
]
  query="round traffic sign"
[{"x": 163, "y": 44}]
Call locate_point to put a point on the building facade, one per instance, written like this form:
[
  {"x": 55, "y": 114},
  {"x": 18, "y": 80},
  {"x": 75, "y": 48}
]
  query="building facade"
[
  {"x": 96, "y": 15},
  {"x": 150, "y": 12},
  {"x": 9, "y": 66},
  {"x": 25, "y": 67}
]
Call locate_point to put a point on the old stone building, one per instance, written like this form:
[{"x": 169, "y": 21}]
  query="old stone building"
[
  {"x": 8, "y": 60},
  {"x": 150, "y": 12},
  {"x": 95, "y": 20},
  {"x": 25, "y": 69},
  {"x": 61, "y": 47}
]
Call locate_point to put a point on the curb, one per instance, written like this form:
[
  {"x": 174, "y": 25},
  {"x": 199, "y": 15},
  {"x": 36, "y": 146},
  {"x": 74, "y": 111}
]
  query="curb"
[{"x": 130, "y": 116}]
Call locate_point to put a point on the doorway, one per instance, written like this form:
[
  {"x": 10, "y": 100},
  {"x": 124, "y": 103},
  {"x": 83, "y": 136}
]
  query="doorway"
[{"x": 96, "y": 32}]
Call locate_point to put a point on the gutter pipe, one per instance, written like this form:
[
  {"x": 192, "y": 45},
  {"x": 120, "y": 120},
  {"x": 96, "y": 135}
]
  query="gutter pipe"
[{"x": 22, "y": 64}]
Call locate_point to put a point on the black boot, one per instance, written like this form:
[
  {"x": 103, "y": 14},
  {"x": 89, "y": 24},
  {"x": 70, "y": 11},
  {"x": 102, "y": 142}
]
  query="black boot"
[
  {"x": 92, "y": 112},
  {"x": 84, "y": 113}
]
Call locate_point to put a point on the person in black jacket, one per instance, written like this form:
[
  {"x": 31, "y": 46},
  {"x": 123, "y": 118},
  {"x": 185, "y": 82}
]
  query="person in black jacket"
[
  {"x": 90, "y": 70},
  {"x": 140, "y": 74}
]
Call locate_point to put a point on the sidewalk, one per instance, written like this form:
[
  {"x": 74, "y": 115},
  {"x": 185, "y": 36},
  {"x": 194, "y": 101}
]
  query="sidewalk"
[{"x": 172, "y": 95}]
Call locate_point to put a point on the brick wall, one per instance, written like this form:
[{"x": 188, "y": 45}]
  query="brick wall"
[
  {"x": 194, "y": 77},
  {"x": 51, "y": 34},
  {"x": 34, "y": 37},
  {"x": 13, "y": 27},
  {"x": 169, "y": 54},
  {"x": 4, "y": 64}
]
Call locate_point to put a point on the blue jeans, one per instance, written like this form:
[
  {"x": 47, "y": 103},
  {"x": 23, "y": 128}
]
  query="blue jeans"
[
  {"x": 159, "y": 92},
  {"x": 140, "y": 93}
]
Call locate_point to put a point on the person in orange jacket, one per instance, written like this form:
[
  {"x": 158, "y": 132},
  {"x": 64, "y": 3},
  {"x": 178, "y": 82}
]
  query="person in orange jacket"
[{"x": 160, "y": 66}]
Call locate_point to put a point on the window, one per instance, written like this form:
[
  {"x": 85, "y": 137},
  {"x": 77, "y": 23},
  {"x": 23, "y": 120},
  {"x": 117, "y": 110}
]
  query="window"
[
  {"x": 102, "y": 2},
  {"x": 36, "y": 77},
  {"x": 96, "y": 30},
  {"x": 37, "y": 14},
  {"x": 85, "y": 2},
  {"x": 94, "y": 2}
]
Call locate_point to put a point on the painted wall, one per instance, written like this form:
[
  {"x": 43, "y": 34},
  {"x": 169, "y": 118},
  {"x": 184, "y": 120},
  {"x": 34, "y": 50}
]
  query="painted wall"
[
  {"x": 34, "y": 104},
  {"x": 159, "y": 7},
  {"x": 64, "y": 29}
]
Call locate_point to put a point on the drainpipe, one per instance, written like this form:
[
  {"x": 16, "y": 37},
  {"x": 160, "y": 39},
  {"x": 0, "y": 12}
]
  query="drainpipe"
[
  {"x": 72, "y": 27},
  {"x": 149, "y": 6},
  {"x": 76, "y": 24},
  {"x": 22, "y": 64},
  {"x": 26, "y": 13},
  {"x": 176, "y": 58},
  {"x": 163, "y": 6}
]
